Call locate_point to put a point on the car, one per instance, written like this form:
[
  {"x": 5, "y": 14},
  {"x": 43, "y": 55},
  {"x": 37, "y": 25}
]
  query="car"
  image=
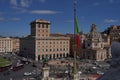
[
  {"x": 100, "y": 72},
  {"x": 80, "y": 72},
  {"x": 66, "y": 71},
  {"x": 95, "y": 63},
  {"x": 27, "y": 73},
  {"x": 100, "y": 66},
  {"x": 34, "y": 65},
  {"x": 94, "y": 67}
]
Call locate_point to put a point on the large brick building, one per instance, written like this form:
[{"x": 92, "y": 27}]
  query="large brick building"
[{"x": 41, "y": 44}]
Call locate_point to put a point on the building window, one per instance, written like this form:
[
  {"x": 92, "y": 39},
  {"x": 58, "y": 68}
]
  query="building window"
[
  {"x": 88, "y": 45},
  {"x": 60, "y": 49},
  {"x": 42, "y": 25},
  {"x": 38, "y": 25},
  {"x": 67, "y": 42},
  {"x": 46, "y": 25},
  {"x": 46, "y": 30},
  {"x": 43, "y": 50},
  {"x": 38, "y": 50},
  {"x": 95, "y": 44},
  {"x": 38, "y": 34},
  {"x": 66, "y": 48},
  {"x": 101, "y": 56}
]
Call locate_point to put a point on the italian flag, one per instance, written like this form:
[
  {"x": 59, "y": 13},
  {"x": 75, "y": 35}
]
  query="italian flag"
[{"x": 77, "y": 34}]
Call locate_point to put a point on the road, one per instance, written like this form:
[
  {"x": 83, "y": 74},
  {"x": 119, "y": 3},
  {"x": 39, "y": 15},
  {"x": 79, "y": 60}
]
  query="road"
[{"x": 17, "y": 75}]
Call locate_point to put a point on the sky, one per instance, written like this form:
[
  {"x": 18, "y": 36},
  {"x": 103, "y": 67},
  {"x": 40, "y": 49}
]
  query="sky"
[{"x": 16, "y": 15}]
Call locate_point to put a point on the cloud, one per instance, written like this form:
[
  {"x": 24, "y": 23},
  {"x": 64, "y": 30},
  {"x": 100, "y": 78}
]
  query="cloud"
[
  {"x": 14, "y": 19},
  {"x": 44, "y": 12},
  {"x": 2, "y": 19},
  {"x": 1, "y": 13},
  {"x": 25, "y": 3},
  {"x": 19, "y": 9},
  {"x": 110, "y": 20},
  {"x": 16, "y": 8},
  {"x": 96, "y": 4},
  {"x": 111, "y": 1},
  {"x": 13, "y": 2},
  {"x": 21, "y": 3}
]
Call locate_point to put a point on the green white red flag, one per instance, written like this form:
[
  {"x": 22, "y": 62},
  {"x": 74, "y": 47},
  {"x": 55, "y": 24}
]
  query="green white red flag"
[{"x": 77, "y": 34}]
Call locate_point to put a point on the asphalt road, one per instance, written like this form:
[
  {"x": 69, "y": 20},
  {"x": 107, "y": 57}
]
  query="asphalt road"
[{"x": 17, "y": 75}]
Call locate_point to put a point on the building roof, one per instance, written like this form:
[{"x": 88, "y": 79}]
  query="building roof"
[
  {"x": 40, "y": 21},
  {"x": 94, "y": 33}
]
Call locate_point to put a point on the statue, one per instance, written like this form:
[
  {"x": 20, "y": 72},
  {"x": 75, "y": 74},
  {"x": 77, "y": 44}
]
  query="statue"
[
  {"x": 114, "y": 72},
  {"x": 45, "y": 63}
]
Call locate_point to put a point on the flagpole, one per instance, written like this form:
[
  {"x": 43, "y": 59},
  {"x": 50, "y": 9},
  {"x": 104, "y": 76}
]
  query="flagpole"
[
  {"x": 75, "y": 68},
  {"x": 75, "y": 18}
]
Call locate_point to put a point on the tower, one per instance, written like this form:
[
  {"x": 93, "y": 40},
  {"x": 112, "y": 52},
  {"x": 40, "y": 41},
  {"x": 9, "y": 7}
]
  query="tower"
[{"x": 40, "y": 28}]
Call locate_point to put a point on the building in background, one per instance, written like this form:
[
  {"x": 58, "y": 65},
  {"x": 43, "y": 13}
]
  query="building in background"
[
  {"x": 94, "y": 47},
  {"x": 8, "y": 44},
  {"x": 79, "y": 51},
  {"x": 16, "y": 45},
  {"x": 106, "y": 44},
  {"x": 114, "y": 33},
  {"x": 40, "y": 44}
]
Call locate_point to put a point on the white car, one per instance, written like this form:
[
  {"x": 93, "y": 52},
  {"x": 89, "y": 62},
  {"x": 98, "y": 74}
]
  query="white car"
[
  {"x": 99, "y": 72},
  {"x": 80, "y": 72},
  {"x": 94, "y": 67},
  {"x": 27, "y": 73}
]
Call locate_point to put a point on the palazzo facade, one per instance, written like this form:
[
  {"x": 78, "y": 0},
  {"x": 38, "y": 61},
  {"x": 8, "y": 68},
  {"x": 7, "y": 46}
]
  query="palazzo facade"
[{"x": 41, "y": 45}]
